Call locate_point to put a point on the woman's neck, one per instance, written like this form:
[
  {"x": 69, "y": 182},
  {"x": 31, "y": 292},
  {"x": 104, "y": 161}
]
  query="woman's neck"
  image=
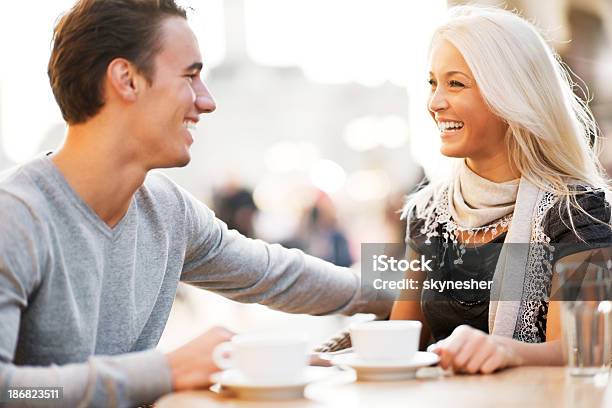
[{"x": 497, "y": 169}]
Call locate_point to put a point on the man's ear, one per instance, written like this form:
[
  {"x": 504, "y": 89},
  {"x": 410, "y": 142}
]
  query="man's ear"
[{"x": 124, "y": 79}]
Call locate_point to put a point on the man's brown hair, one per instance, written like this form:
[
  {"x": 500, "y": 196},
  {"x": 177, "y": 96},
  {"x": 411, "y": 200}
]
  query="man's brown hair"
[{"x": 90, "y": 36}]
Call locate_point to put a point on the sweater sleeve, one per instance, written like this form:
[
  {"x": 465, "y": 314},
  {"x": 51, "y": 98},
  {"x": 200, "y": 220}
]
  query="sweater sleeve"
[
  {"x": 252, "y": 271},
  {"x": 102, "y": 381}
]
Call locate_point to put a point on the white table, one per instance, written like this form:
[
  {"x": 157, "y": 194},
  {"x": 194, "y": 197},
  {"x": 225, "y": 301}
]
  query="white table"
[{"x": 518, "y": 387}]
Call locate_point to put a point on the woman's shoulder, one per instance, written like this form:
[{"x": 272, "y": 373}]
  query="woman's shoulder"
[
  {"x": 424, "y": 200},
  {"x": 420, "y": 212},
  {"x": 591, "y": 221},
  {"x": 418, "y": 238}
]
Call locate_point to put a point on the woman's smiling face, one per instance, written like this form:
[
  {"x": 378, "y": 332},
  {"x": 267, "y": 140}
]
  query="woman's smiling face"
[{"x": 467, "y": 126}]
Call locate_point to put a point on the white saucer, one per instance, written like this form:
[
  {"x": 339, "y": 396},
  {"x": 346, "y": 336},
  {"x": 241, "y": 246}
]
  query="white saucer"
[
  {"x": 386, "y": 370},
  {"x": 234, "y": 382}
]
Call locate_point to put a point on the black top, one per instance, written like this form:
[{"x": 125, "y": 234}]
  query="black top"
[{"x": 447, "y": 309}]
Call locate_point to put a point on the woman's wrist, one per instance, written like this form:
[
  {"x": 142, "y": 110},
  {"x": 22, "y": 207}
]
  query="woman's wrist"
[{"x": 512, "y": 349}]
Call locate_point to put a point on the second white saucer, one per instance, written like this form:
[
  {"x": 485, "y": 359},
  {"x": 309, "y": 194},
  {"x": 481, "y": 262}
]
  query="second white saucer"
[{"x": 387, "y": 370}]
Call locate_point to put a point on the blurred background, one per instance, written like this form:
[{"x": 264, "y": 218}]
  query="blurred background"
[{"x": 321, "y": 125}]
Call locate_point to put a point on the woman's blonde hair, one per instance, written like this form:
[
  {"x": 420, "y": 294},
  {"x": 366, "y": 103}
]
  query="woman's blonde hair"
[{"x": 552, "y": 138}]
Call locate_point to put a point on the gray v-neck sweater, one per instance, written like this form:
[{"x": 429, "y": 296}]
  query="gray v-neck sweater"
[{"x": 83, "y": 305}]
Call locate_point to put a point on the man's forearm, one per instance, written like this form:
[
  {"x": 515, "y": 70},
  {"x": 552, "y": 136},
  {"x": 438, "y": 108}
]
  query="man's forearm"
[
  {"x": 323, "y": 288},
  {"x": 123, "y": 380}
]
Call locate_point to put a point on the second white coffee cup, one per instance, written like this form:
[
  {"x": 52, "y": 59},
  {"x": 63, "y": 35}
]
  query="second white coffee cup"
[
  {"x": 386, "y": 340},
  {"x": 263, "y": 359}
]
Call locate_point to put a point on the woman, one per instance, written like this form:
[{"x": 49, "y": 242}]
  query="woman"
[{"x": 526, "y": 173}]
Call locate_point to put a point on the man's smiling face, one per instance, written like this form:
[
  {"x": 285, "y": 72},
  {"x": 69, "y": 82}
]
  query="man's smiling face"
[{"x": 171, "y": 105}]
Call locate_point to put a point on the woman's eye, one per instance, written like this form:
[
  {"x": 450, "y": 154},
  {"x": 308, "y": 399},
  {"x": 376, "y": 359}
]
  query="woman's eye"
[
  {"x": 431, "y": 82},
  {"x": 191, "y": 77},
  {"x": 456, "y": 84}
]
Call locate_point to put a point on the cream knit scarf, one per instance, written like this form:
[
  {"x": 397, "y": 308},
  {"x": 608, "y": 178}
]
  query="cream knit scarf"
[{"x": 475, "y": 201}]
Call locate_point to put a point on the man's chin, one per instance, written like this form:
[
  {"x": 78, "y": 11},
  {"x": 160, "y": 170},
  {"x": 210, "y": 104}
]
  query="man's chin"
[
  {"x": 183, "y": 162},
  {"x": 176, "y": 162}
]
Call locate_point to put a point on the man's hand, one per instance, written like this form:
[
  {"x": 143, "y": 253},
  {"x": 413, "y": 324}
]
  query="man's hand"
[
  {"x": 191, "y": 365},
  {"x": 473, "y": 351}
]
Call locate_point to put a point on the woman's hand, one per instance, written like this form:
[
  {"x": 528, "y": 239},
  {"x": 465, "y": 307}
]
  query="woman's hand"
[{"x": 473, "y": 351}]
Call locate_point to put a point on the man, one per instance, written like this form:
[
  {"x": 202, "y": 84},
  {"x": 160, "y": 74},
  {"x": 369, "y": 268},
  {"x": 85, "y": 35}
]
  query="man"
[{"x": 92, "y": 246}]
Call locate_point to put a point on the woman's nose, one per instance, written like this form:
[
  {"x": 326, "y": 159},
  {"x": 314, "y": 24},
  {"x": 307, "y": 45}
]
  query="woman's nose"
[{"x": 437, "y": 101}]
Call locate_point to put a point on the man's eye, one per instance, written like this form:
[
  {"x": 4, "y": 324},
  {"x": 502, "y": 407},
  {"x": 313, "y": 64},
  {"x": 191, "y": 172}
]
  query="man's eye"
[
  {"x": 431, "y": 82},
  {"x": 191, "y": 77},
  {"x": 456, "y": 84}
]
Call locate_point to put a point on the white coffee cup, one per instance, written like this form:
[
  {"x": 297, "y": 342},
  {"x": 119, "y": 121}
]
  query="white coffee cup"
[
  {"x": 386, "y": 340},
  {"x": 263, "y": 359}
]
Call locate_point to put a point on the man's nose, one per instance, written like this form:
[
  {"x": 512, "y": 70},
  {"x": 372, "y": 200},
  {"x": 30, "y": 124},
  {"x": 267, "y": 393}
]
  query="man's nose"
[
  {"x": 205, "y": 103},
  {"x": 437, "y": 101}
]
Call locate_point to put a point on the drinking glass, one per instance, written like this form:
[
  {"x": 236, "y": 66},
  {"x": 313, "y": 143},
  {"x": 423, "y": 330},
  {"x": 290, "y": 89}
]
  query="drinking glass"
[{"x": 585, "y": 280}]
